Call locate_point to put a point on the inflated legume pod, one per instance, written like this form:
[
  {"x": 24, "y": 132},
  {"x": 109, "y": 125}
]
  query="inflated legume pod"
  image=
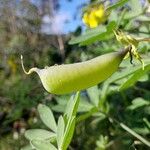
[{"x": 67, "y": 78}]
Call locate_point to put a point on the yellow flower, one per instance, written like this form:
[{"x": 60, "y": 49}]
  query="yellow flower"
[
  {"x": 100, "y": 12},
  {"x": 92, "y": 20},
  {"x": 94, "y": 16}
]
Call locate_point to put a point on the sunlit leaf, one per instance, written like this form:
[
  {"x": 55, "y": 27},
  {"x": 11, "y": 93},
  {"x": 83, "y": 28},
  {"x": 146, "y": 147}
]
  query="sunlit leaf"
[
  {"x": 116, "y": 5},
  {"x": 94, "y": 94},
  {"x": 136, "y": 9},
  {"x": 47, "y": 117},
  {"x": 96, "y": 34},
  {"x": 84, "y": 105},
  {"x": 28, "y": 147},
  {"x": 135, "y": 77},
  {"x": 138, "y": 102},
  {"x": 60, "y": 131},
  {"x": 43, "y": 145},
  {"x": 39, "y": 134},
  {"x": 69, "y": 132},
  {"x": 72, "y": 105}
]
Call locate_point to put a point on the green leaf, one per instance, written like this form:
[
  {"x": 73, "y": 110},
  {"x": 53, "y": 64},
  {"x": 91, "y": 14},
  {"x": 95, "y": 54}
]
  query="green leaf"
[
  {"x": 136, "y": 9},
  {"x": 111, "y": 26},
  {"x": 136, "y": 5},
  {"x": 69, "y": 116},
  {"x": 144, "y": 78},
  {"x": 60, "y": 132},
  {"x": 105, "y": 35},
  {"x": 116, "y": 5},
  {"x": 138, "y": 102},
  {"x": 94, "y": 94},
  {"x": 86, "y": 115},
  {"x": 72, "y": 105},
  {"x": 141, "y": 130},
  {"x": 135, "y": 77},
  {"x": 147, "y": 123},
  {"x": 68, "y": 132},
  {"x": 39, "y": 134},
  {"x": 59, "y": 108},
  {"x": 47, "y": 117},
  {"x": 84, "y": 105},
  {"x": 127, "y": 71},
  {"x": 62, "y": 100},
  {"x": 92, "y": 35},
  {"x": 28, "y": 147},
  {"x": 43, "y": 145},
  {"x": 122, "y": 74}
]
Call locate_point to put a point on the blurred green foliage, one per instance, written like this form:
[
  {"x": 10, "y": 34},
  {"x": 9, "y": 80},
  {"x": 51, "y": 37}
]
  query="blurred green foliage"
[{"x": 99, "y": 106}]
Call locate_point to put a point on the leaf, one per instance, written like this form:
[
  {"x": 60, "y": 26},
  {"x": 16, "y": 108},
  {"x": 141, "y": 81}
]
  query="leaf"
[
  {"x": 68, "y": 132},
  {"x": 136, "y": 9},
  {"x": 92, "y": 35},
  {"x": 88, "y": 35},
  {"x": 59, "y": 108},
  {"x": 108, "y": 34},
  {"x": 122, "y": 74},
  {"x": 144, "y": 78},
  {"x": 62, "y": 100},
  {"x": 111, "y": 26},
  {"x": 72, "y": 106},
  {"x": 141, "y": 130},
  {"x": 147, "y": 123},
  {"x": 135, "y": 77},
  {"x": 138, "y": 102},
  {"x": 60, "y": 132},
  {"x": 93, "y": 93},
  {"x": 86, "y": 115},
  {"x": 129, "y": 70},
  {"x": 147, "y": 110},
  {"x": 84, "y": 105},
  {"x": 43, "y": 145},
  {"x": 47, "y": 117},
  {"x": 28, "y": 147},
  {"x": 39, "y": 134},
  {"x": 116, "y": 5}
]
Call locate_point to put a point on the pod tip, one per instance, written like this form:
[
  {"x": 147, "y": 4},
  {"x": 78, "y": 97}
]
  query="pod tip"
[
  {"x": 27, "y": 72},
  {"x": 21, "y": 57}
]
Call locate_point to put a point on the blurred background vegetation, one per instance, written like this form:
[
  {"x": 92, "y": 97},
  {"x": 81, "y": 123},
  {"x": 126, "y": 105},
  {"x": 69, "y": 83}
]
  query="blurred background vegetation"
[{"x": 29, "y": 27}]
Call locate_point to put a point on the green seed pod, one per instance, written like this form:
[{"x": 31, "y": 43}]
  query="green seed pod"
[{"x": 67, "y": 78}]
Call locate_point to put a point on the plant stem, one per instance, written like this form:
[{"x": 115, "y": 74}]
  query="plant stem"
[
  {"x": 139, "y": 137},
  {"x": 122, "y": 125}
]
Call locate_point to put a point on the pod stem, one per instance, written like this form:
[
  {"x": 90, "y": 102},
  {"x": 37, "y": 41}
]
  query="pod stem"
[
  {"x": 27, "y": 72},
  {"x": 124, "y": 51}
]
